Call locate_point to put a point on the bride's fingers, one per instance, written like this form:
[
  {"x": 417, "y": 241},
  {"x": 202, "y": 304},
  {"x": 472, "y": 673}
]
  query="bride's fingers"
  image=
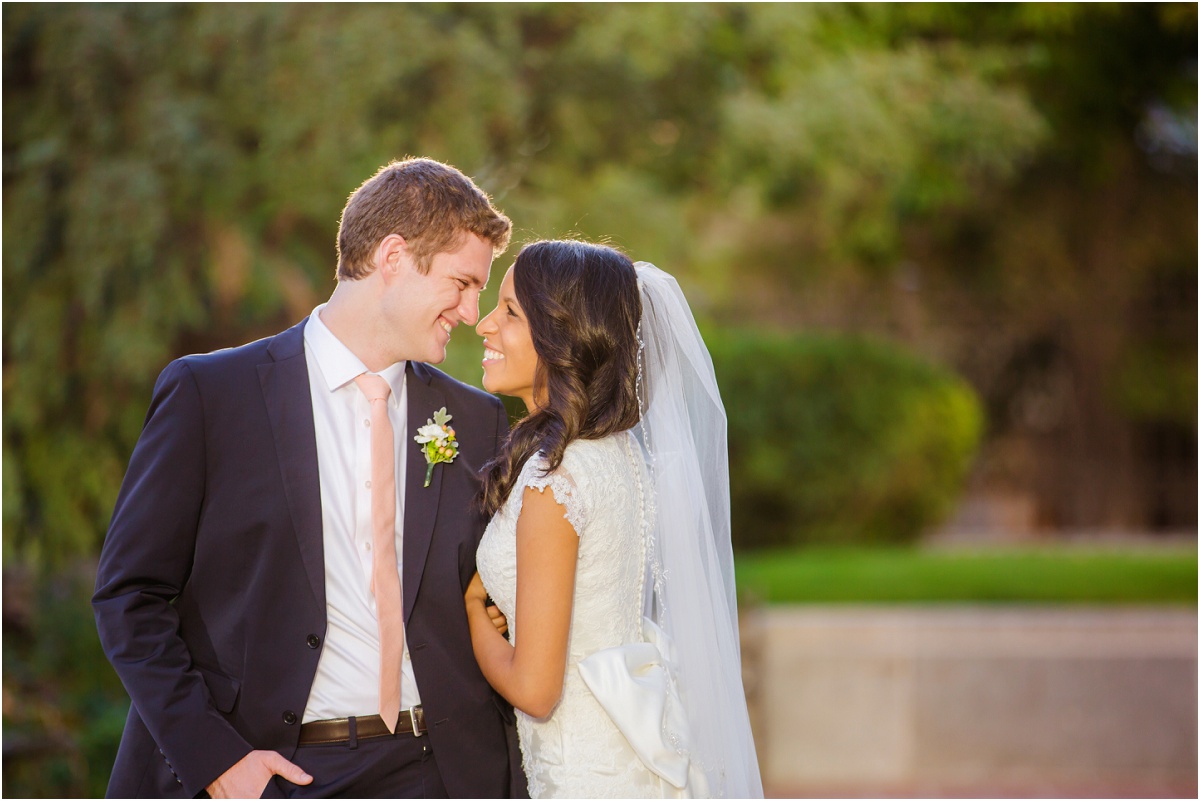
[{"x": 498, "y": 619}]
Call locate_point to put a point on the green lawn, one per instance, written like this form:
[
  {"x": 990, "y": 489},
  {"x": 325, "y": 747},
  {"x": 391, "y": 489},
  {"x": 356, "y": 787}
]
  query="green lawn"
[{"x": 1033, "y": 575}]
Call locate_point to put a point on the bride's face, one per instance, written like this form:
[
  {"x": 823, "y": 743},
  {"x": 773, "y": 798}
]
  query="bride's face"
[{"x": 509, "y": 361}]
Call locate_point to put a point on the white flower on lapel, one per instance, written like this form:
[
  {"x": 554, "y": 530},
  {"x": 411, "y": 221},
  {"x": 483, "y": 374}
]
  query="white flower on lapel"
[{"x": 437, "y": 441}]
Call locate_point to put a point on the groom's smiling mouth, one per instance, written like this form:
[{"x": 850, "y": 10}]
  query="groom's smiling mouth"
[{"x": 446, "y": 326}]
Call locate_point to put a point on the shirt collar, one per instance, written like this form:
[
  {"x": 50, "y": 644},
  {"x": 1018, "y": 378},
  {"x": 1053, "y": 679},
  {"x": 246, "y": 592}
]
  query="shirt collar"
[{"x": 338, "y": 364}]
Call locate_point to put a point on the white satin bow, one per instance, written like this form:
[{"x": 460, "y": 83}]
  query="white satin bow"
[{"x": 634, "y": 684}]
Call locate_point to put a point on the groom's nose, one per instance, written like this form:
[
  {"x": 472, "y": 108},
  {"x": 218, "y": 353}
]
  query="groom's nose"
[
  {"x": 468, "y": 308},
  {"x": 483, "y": 326}
]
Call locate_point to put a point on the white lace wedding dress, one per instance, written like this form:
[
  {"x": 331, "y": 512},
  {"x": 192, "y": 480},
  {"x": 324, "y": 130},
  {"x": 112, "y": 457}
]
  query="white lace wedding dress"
[{"x": 577, "y": 752}]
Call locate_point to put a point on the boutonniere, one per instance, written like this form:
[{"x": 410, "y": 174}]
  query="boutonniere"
[{"x": 437, "y": 441}]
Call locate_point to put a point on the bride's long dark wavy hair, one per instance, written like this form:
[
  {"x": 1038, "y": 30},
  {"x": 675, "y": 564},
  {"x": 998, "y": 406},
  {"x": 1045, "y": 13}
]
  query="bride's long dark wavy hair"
[{"x": 582, "y": 303}]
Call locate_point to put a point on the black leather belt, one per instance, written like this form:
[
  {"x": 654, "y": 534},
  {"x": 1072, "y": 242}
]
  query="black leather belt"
[{"x": 343, "y": 730}]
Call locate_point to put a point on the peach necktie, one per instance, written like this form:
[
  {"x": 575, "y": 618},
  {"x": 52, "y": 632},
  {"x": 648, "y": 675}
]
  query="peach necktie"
[{"x": 385, "y": 580}]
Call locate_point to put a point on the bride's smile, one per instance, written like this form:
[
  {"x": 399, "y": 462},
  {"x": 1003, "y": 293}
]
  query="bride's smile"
[{"x": 509, "y": 360}]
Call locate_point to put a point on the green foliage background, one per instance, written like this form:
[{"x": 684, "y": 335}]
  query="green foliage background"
[
  {"x": 173, "y": 176},
  {"x": 841, "y": 440},
  {"x": 861, "y": 201}
]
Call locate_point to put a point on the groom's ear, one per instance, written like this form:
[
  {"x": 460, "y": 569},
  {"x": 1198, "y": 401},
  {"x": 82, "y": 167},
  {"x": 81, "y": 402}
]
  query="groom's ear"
[{"x": 392, "y": 257}]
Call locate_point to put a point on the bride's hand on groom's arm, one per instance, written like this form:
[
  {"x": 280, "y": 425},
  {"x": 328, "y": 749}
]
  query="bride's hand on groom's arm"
[
  {"x": 477, "y": 593},
  {"x": 498, "y": 618}
]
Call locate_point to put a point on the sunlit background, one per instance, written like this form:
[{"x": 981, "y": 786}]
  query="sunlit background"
[{"x": 944, "y": 256}]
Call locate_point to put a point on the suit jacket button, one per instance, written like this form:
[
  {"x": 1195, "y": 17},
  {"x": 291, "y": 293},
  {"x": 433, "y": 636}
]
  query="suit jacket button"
[
  {"x": 313, "y": 641},
  {"x": 289, "y": 717}
]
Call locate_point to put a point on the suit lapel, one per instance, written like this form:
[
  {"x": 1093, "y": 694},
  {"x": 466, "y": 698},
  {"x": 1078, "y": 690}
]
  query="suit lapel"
[
  {"x": 420, "y": 502},
  {"x": 288, "y": 399},
  {"x": 289, "y": 405}
]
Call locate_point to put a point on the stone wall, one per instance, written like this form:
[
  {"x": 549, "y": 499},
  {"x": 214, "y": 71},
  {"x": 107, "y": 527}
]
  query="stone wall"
[{"x": 974, "y": 701}]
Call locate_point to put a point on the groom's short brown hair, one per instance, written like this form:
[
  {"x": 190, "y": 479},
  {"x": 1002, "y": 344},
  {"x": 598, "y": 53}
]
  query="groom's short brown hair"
[{"x": 432, "y": 205}]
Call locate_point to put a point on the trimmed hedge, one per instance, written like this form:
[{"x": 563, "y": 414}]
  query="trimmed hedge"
[{"x": 839, "y": 439}]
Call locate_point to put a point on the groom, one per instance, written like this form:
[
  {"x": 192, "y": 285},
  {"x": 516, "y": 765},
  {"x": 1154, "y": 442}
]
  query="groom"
[{"x": 266, "y": 647}]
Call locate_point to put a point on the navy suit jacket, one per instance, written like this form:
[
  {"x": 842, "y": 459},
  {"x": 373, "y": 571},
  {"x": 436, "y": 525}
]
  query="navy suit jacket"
[{"x": 210, "y": 594}]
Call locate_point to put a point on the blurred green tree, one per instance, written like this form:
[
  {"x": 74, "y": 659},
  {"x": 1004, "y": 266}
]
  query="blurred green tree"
[
  {"x": 836, "y": 439},
  {"x": 175, "y": 172}
]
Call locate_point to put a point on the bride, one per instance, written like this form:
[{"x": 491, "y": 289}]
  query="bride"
[{"x": 609, "y": 547}]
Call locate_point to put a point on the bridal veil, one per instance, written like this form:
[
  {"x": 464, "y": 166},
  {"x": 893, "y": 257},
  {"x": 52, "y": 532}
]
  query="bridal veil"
[{"x": 690, "y": 594}]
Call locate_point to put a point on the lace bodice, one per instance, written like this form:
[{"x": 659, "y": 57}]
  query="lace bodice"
[{"x": 576, "y": 751}]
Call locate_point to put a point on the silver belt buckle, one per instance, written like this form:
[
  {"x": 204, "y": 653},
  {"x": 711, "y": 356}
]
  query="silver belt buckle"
[{"x": 412, "y": 716}]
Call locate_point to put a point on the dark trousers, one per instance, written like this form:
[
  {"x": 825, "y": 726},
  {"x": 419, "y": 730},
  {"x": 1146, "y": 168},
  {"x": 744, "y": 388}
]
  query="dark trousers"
[{"x": 402, "y": 766}]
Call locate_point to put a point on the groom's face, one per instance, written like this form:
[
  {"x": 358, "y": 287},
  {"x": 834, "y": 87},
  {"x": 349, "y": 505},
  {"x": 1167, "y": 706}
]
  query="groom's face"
[{"x": 423, "y": 309}]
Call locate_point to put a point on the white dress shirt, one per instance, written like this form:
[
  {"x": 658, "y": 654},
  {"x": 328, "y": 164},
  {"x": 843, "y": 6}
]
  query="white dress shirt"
[{"x": 347, "y": 679}]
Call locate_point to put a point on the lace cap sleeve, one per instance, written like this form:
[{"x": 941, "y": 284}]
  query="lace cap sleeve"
[{"x": 566, "y": 489}]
